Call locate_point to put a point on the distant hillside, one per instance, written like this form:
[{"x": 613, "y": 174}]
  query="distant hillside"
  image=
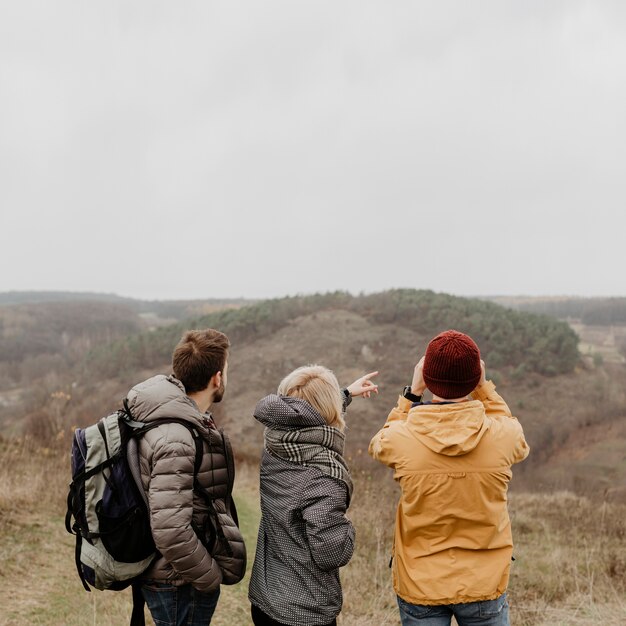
[
  {"x": 573, "y": 410},
  {"x": 590, "y": 311},
  {"x": 600, "y": 323},
  {"x": 530, "y": 356},
  {"x": 171, "y": 310},
  {"x": 42, "y": 333},
  {"x": 37, "y": 339},
  {"x": 36, "y": 297}
]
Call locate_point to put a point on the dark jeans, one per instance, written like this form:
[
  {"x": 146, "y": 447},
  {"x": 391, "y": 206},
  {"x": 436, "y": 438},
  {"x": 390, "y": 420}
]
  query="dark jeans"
[
  {"x": 261, "y": 619},
  {"x": 179, "y": 606},
  {"x": 485, "y": 613}
]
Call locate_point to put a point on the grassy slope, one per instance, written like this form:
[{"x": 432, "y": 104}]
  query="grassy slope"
[
  {"x": 571, "y": 561},
  {"x": 570, "y": 568},
  {"x": 40, "y": 584},
  {"x": 567, "y": 571}
]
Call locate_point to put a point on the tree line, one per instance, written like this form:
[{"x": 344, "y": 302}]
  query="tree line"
[{"x": 520, "y": 340}]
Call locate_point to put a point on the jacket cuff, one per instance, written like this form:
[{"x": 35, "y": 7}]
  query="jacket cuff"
[
  {"x": 482, "y": 392},
  {"x": 404, "y": 404},
  {"x": 346, "y": 399}
]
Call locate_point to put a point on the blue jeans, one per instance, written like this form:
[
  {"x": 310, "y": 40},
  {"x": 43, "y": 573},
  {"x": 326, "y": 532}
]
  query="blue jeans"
[
  {"x": 486, "y": 613},
  {"x": 179, "y": 606}
]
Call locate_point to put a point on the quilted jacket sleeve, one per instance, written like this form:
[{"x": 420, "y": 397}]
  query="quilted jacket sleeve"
[
  {"x": 170, "y": 497},
  {"x": 329, "y": 532}
]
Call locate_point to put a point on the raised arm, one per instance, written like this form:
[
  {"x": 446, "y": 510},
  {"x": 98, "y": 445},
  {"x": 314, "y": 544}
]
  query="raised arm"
[
  {"x": 381, "y": 446},
  {"x": 496, "y": 408}
]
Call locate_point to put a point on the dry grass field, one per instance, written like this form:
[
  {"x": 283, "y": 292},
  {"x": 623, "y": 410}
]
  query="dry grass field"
[
  {"x": 570, "y": 567},
  {"x": 38, "y": 579},
  {"x": 601, "y": 342}
]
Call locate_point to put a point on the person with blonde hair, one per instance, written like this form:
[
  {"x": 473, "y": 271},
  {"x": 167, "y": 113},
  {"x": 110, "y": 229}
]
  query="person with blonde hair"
[{"x": 304, "y": 534}]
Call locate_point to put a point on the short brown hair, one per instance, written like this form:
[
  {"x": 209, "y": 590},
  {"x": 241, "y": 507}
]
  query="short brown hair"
[
  {"x": 319, "y": 387},
  {"x": 199, "y": 355}
]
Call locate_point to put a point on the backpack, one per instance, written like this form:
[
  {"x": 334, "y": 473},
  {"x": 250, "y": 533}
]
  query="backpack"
[{"x": 114, "y": 542}]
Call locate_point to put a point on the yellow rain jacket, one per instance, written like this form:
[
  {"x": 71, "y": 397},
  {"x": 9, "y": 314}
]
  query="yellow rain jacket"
[{"x": 453, "y": 461}]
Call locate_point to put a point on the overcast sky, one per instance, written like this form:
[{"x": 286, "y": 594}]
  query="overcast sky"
[{"x": 226, "y": 149}]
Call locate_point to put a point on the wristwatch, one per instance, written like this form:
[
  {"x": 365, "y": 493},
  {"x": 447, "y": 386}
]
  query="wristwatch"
[{"x": 406, "y": 393}]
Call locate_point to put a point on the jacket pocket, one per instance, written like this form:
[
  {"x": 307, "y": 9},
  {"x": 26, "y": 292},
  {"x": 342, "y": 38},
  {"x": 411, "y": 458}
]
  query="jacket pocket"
[{"x": 224, "y": 541}]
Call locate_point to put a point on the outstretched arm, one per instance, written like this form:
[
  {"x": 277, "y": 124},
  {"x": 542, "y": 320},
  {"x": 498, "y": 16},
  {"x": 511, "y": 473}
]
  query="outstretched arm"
[{"x": 363, "y": 386}]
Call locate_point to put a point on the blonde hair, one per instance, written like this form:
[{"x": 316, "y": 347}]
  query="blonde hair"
[{"x": 319, "y": 387}]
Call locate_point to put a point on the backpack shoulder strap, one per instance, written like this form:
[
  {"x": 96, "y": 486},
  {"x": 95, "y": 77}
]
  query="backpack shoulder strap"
[
  {"x": 198, "y": 458},
  {"x": 230, "y": 462},
  {"x": 140, "y": 428}
]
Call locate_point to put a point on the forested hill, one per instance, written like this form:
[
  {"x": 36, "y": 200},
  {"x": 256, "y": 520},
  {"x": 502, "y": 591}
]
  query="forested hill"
[
  {"x": 576, "y": 438},
  {"x": 529, "y": 356},
  {"x": 524, "y": 342}
]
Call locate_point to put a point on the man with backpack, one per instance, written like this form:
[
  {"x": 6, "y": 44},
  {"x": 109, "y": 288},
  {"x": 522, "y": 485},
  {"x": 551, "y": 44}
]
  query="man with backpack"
[
  {"x": 452, "y": 457},
  {"x": 187, "y": 472}
]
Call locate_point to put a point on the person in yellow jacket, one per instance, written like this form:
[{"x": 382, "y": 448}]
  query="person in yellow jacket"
[{"x": 452, "y": 457}]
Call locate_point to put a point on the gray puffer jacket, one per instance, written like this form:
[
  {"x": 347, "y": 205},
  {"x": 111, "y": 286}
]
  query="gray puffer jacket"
[{"x": 166, "y": 460}]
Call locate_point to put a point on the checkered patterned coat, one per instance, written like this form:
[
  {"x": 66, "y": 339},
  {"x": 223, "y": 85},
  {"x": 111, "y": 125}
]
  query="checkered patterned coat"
[{"x": 304, "y": 535}]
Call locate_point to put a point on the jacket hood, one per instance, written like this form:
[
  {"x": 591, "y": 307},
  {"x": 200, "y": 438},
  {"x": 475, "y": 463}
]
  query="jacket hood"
[
  {"x": 450, "y": 429},
  {"x": 161, "y": 397},
  {"x": 285, "y": 412}
]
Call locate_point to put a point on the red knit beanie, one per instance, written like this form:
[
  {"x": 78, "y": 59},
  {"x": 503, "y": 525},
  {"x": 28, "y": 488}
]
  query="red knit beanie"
[{"x": 452, "y": 365}]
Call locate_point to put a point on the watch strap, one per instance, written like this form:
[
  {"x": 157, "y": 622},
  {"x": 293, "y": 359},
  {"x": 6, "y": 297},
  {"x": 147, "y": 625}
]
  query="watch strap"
[{"x": 406, "y": 393}]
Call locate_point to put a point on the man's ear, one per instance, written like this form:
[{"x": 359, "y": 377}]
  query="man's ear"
[{"x": 216, "y": 380}]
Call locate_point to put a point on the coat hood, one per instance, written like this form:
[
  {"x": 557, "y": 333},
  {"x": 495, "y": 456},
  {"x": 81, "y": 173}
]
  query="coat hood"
[
  {"x": 161, "y": 397},
  {"x": 450, "y": 429},
  {"x": 285, "y": 412}
]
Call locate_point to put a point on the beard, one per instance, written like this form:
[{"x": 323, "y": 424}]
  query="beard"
[{"x": 219, "y": 394}]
